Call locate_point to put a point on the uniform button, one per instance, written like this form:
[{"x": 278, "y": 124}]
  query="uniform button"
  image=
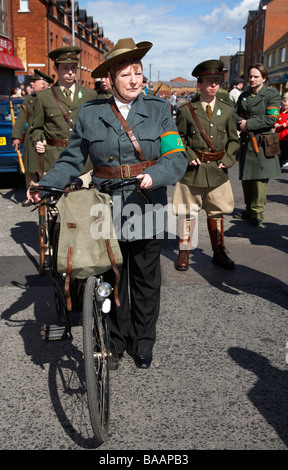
[
  {"x": 111, "y": 159},
  {"x": 211, "y": 125},
  {"x": 70, "y": 111}
]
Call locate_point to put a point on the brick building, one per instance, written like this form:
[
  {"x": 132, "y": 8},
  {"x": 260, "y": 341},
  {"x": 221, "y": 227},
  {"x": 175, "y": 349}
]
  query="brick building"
[
  {"x": 275, "y": 59},
  {"x": 264, "y": 27},
  {"x": 179, "y": 84},
  {"x": 39, "y": 26},
  {"x": 9, "y": 62}
]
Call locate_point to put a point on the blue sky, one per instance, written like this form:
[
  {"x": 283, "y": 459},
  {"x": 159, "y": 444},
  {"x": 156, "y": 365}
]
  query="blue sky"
[{"x": 183, "y": 32}]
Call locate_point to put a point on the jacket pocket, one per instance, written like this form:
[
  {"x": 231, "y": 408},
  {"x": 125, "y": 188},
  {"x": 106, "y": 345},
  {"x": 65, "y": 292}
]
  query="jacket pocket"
[{"x": 149, "y": 141}]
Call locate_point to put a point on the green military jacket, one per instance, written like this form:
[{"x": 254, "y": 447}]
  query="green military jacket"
[
  {"x": 221, "y": 131},
  {"x": 30, "y": 156},
  {"x": 48, "y": 119},
  {"x": 261, "y": 112}
]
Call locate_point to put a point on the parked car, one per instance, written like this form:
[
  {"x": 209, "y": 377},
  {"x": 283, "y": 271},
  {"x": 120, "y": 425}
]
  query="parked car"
[{"x": 8, "y": 156}]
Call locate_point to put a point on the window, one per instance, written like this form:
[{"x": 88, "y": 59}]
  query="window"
[
  {"x": 269, "y": 60},
  {"x": 256, "y": 30},
  {"x": 282, "y": 54},
  {"x": 24, "y": 5},
  {"x": 4, "y": 18},
  {"x": 262, "y": 25}
]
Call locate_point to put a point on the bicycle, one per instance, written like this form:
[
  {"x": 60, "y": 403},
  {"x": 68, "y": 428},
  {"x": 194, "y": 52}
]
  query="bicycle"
[{"x": 99, "y": 353}]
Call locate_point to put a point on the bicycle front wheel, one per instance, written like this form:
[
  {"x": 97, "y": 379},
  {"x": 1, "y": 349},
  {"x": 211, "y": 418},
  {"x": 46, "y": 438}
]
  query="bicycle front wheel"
[{"x": 96, "y": 351}]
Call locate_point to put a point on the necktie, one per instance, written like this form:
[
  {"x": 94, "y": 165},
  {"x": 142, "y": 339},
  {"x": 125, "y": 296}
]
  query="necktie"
[
  {"x": 209, "y": 112},
  {"x": 68, "y": 92}
]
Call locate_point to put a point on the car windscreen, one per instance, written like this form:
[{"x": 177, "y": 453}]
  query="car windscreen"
[{"x": 5, "y": 113}]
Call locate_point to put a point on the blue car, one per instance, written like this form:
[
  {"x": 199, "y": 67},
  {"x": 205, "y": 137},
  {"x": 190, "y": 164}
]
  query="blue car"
[{"x": 8, "y": 156}]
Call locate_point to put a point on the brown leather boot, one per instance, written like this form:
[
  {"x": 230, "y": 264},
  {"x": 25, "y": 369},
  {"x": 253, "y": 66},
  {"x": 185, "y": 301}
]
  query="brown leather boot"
[
  {"x": 216, "y": 232},
  {"x": 182, "y": 263}
]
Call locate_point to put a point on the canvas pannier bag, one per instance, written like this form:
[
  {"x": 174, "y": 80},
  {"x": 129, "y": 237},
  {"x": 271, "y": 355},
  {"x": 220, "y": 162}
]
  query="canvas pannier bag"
[{"x": 87, "y": 241}]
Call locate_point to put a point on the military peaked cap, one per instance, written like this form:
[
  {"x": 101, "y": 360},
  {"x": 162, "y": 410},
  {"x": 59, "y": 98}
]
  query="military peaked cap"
[
  {"x": 208, "y": 68},
  {"x": 65, "y": 55},
  {"x": 39, "y": 75}
]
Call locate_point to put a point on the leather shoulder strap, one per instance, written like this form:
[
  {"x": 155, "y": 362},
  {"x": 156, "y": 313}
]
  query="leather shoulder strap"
[
  {"x": 127, "y": 129},
  {"x": 71, "y": 125},
  {"x": 204, "y": 135},
  {"x": 25, "y": 111}
]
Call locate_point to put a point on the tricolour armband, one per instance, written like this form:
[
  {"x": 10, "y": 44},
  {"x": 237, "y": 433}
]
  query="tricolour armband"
[
  {"x": 272, "y": 111},
  {"x": 171, "y": 142}
]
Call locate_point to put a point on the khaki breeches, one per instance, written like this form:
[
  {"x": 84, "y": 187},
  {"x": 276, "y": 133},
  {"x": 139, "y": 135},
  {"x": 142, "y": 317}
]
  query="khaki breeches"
[{"x": 189, "y": 200}]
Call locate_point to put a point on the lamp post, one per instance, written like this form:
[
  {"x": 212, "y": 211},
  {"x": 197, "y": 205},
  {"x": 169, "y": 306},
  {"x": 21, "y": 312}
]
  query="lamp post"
[
  {"x": 73, "y": 23},
  {"x": 239, "y": 39}
]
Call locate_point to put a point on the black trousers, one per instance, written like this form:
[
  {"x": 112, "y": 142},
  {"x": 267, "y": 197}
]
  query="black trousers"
[{"x": 133, "y": 324}]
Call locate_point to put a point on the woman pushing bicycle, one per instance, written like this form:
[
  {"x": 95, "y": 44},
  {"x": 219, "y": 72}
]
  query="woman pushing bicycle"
[{"x": 128, "y": 135}]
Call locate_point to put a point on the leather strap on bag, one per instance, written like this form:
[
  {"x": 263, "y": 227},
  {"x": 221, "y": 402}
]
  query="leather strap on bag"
[
  {"x": 67, "y": 279},
  {"x": 204, "y": 135},
  {"x": 71, "y": 125},
  {"x": 114, "y": 267},
  {"x": 127, "y": 129}
]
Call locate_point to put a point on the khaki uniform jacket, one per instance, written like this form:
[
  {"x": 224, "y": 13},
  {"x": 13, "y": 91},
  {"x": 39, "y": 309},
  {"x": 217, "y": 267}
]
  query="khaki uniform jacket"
[
  {"x": 48, "y": 119},
  {"x": 221, "y": 131},
  {"x": 254, "y": 109},
  {"x": 30, "y": 156},
  {"x": 99, "y": 133}
]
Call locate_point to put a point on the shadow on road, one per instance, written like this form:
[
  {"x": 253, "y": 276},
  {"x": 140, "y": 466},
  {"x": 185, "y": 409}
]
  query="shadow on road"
[{"x": 269, "y": 395}]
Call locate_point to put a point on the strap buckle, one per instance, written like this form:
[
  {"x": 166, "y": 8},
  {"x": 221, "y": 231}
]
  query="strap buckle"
[{"x": 123, "y": 171}]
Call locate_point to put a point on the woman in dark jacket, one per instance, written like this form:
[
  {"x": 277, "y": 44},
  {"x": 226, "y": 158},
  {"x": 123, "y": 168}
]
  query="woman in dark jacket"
[
  {"x": 257, "y": 111},
  {"x": 99, "y": 133}
]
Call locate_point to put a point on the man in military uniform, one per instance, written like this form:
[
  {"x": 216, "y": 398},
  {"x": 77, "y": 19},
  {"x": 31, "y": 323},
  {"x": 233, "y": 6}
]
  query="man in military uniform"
[
  {"x": 211, "y": 151},
  {"x": 105, "y": 90},
  {"x": 56, "y": 108},
  {"x": 39, "y": 81}
]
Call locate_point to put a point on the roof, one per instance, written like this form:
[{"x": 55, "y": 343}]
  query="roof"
[{"x": 180, "y": 84}]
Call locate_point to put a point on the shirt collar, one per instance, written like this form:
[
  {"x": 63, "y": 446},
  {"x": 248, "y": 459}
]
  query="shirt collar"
[{"x": 204, "y": 103}]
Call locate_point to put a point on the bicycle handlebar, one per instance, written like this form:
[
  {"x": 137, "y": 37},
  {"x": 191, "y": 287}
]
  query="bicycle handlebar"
[
  {"x": 105, "y": 187},
  {"x": 48, "y": 189},
  {"x": 108, "y": 185}
]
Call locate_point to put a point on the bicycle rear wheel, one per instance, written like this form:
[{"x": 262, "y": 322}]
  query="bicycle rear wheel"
[{"x": 96, "y": 351}]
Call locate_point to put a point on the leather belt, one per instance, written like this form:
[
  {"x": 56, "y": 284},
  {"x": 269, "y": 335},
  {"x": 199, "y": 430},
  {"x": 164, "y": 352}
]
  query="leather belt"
[
  {"x": 58, "y": 142},
  {"x": 124, "y": 171},
  {"x": 209, "y": 156}
]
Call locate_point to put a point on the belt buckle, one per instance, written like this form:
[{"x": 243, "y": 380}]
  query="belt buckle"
[
  {"x": 65, "y": 143},
  {"x": 122, "y": 171}
]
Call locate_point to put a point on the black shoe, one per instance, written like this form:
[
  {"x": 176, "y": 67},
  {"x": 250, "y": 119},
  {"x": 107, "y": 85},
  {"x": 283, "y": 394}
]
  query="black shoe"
[
  {"x": 241, "y": 215},
  {"x": 221, "y": 259},
  {"x": 255, "y": 221},
  {"x": 141, "y": 361}
]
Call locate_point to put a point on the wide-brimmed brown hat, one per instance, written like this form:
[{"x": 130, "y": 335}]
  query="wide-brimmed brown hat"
[{"x": 125, "y": 49}]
